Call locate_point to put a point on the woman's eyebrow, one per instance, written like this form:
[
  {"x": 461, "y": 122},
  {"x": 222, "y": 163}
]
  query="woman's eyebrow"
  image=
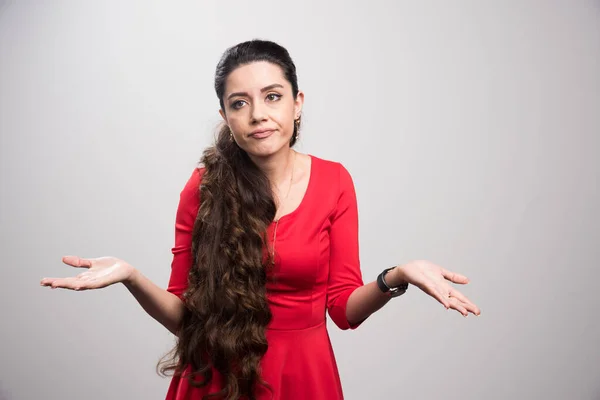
[{"x": 273, "y": 86}]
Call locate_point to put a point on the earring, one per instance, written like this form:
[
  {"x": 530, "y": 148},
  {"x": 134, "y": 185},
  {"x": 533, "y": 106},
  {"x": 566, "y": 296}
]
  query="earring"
[{"x": 296, "y": 128}]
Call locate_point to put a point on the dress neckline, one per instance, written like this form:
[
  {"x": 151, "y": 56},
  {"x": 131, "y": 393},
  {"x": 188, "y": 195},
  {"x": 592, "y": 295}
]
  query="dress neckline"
[{"x": 306, "y": 192}]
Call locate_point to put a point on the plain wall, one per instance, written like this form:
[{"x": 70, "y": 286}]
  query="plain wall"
[{"x": 471, "y": 130}]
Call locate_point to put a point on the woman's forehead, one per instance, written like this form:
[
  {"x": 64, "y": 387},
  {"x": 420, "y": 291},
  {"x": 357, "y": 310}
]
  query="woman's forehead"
[{"x": 253, "y": 77}]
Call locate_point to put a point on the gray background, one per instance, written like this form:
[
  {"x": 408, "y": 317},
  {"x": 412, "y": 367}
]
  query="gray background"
[{"x": 471, "y": 129}]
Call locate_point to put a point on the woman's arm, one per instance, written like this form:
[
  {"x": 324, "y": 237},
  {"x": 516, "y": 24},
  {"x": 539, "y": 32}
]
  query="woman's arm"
[
  {"x": 162, "y": 305},
  {"x": 427, "y": 276},
  {"x": 165, "y": 307},
  {"x": 350, "y": 302},
  {"x": 367, "y": 299},
  {"x": 364, "y": 301}
]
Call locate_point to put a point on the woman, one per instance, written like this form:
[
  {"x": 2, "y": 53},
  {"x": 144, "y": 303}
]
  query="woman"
[{"x": 266, "y": 241}]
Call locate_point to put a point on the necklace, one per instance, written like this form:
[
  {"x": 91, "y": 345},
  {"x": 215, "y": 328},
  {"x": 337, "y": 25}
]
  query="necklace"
[{"x": 281, "y": 207}]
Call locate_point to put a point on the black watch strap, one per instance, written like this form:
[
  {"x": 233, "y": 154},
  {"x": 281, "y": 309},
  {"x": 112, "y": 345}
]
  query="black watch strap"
[{"x": 392, "y": 291}]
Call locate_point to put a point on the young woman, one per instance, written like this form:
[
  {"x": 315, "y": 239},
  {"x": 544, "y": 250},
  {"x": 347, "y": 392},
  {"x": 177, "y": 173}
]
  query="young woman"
[{"x": 266, "y": 242}]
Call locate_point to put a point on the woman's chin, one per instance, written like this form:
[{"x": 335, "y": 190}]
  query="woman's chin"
[{"x": 266, "y": 149}]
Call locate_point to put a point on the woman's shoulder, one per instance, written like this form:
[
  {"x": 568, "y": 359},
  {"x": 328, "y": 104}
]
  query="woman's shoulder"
[
  {"x": 196, "y": 177},
  {"x": 192, "y": 186},
  {"x": 330, "y": 169},
  {"x": 333, "y": 185},
  {"x": 327, "y": 165}
]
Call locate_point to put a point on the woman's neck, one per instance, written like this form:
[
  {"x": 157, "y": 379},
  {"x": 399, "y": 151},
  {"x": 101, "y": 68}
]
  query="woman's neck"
[{"x": 277, "y": 167}]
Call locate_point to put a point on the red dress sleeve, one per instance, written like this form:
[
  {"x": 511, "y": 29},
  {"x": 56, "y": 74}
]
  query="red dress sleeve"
[
  {"x": 189, "y": 203},
  {"x": 344, "y": 265}
]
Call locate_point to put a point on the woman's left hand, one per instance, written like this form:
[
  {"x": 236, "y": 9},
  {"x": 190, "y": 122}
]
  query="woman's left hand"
[{"x": 434, "y": 280}]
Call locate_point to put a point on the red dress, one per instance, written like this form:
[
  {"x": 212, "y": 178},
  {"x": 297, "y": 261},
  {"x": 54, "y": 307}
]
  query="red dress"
[{"x": 317, "y": 266}]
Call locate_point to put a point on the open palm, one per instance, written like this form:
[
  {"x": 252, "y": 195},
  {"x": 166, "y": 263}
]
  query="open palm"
[
  {"x": 101, "y": 272},
  {"x": 434, "y": 280}
]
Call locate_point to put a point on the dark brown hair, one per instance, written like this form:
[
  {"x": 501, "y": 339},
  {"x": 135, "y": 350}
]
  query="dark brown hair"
[{"x": 227, "y": 313}]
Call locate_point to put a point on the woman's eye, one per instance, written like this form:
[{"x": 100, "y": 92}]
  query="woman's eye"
[
  {"x": 237, "y": 104},
  {"x": 273, "y": 96}
]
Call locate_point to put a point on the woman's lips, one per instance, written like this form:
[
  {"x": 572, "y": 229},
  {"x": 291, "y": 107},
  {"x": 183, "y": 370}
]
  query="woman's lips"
[{"x": 262, "y": 135}]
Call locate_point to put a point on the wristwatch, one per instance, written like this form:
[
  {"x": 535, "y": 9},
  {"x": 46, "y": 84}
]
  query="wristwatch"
[{"x": 391, "y": 291}]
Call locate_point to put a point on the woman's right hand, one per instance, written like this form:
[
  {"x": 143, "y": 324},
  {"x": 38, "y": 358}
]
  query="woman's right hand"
[{"x": 101, "y": 272}]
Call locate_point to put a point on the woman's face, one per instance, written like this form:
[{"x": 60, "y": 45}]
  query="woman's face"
[{"x": 260, "y": 108}]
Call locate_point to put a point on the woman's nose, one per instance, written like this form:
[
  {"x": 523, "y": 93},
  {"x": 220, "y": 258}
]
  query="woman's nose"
[{"x": 257, "y": 113}]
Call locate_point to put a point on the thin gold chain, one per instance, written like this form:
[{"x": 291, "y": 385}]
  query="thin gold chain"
[{"x": 281, "y": 208}]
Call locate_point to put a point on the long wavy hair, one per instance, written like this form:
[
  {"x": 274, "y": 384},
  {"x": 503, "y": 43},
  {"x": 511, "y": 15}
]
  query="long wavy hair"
[{"x": 226, "y": 312}]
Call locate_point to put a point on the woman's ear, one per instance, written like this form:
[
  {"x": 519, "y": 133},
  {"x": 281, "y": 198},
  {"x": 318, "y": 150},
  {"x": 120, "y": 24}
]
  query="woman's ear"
[{"x": 298, "y": 103}]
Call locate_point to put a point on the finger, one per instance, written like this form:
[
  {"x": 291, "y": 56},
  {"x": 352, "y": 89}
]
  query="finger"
[
  {"x": 74, "y": 284},
  {"x": 454, "y": 277},
  {"x": 64, "y": 283},
  {"x": 473, "y": 309},
  {"x": 465, "y": 300},
  {"x": 78, "y": 262},
  {"x": 437, "y": 294},
  {"x": 458, "y": 306},
  {"x": 47, "y": 281},
  {"x": 444, "y": 296}
]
